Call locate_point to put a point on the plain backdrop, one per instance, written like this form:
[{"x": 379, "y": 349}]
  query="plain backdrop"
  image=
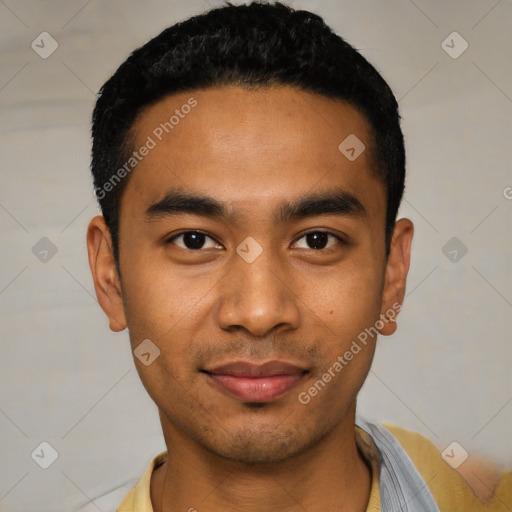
[{"x": 68, "y": 381}]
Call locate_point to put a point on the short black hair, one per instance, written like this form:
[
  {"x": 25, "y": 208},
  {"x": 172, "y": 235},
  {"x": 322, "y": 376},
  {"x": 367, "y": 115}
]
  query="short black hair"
[{"x": 255, "y": 45}]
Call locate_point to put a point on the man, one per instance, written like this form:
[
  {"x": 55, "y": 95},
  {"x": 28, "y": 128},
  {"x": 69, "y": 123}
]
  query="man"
[{"x": 249, "y": 164}]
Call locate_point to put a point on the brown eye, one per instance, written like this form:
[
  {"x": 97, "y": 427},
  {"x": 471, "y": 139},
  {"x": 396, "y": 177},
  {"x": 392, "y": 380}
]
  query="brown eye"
[
  {"x": 194, "y": 241},
  {"x": 318, "y": 240}
]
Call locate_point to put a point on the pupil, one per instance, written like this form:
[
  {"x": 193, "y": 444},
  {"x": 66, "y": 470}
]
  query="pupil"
[
  {"x": 317, "y": 240},
  {"x": 193, "y": 240}
]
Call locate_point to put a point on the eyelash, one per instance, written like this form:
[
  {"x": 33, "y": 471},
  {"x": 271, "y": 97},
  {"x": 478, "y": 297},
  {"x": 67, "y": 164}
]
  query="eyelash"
[{"x": 340, "y": 240}]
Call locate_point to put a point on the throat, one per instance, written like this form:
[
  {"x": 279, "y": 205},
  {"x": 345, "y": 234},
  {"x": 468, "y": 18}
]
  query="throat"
[{"x": 263, "y": 493}]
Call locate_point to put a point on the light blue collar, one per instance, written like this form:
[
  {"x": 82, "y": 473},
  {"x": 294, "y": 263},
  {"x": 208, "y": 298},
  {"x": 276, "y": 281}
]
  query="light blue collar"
[{"x": 402, "y": 489}]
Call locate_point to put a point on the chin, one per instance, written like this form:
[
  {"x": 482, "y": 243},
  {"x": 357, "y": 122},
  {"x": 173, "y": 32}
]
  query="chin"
[{"x": 263, "y": 446}]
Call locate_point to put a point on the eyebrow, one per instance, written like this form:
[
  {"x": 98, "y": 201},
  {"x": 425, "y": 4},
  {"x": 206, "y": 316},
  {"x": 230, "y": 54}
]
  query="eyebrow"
[{"x": 333, "y": 202}]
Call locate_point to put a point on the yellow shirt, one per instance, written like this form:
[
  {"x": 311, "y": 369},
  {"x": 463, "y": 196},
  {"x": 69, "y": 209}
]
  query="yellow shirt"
[
  {"x": 450, "y": 490},
  {"x": 448, "y": 487}
]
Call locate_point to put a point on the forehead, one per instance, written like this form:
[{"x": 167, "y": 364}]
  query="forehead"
[{"x": 249, "y": 146}]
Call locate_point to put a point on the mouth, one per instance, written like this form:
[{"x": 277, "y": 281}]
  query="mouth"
[{"x": 256, "y": 383}]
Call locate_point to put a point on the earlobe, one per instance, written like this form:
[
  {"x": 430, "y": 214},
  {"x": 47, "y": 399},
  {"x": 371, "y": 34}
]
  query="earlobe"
[
  {"x": 104, "y": 273},
  {"x": 397, "y": 268}
]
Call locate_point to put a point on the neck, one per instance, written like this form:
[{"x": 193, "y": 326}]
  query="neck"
[{"x": 331, "y": 475}]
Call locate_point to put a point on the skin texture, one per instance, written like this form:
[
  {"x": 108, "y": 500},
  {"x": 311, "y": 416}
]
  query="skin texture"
[{"x": 253, "y": 150}]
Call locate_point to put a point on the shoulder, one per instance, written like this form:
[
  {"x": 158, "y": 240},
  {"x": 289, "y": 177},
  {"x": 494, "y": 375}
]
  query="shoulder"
[
  {"x": 134, "y": 495},
  {"x": 468, "y": 481}
]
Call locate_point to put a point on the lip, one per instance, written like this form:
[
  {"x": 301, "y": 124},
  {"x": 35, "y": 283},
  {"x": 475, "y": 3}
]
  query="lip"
[{"x": 250, "y": 382}]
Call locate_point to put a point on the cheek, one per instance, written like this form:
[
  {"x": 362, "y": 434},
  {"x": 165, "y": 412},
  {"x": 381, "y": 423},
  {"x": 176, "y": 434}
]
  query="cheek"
[
  {"x": 155, "y": 300},
  {"x": 158, "y": 312},
  {"x": 347, "y": 300},
  {"x": 167, "y": 309}
]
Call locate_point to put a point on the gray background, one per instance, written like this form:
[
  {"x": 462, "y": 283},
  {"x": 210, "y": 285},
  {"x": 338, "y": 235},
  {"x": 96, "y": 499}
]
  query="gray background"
[{"x": 67, "y": 380}]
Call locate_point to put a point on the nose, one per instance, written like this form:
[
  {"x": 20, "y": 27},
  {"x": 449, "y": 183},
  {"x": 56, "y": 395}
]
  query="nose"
[{"x": 258, "y": 297}]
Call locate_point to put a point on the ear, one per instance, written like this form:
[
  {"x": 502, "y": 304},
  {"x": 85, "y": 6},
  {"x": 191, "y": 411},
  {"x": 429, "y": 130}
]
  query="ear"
[
  {"x": 397, "y": 267},
  {"x": 104, "y": 273}
]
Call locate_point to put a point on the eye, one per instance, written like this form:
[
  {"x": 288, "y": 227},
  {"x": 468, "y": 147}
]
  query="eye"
[
  {"x": 318, "y": 240},
  {"x": 194, "y": 240}
]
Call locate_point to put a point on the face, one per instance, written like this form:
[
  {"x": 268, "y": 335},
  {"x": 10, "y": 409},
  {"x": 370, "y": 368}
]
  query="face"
[{"x": 252, "y": 255}]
